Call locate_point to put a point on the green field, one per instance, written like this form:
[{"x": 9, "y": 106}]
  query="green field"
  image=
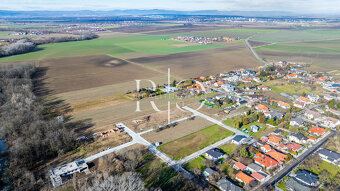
[
  {"x": 301, "y": 48},
  {"x": 197, "y": 163},
  {"x": 191, "y": 143},
  {"x": 156, "y": 44},
  {"x": 296, "y": 36},
  {"x": 241, "y": 33},
  {"x": 228, "y": 148}
]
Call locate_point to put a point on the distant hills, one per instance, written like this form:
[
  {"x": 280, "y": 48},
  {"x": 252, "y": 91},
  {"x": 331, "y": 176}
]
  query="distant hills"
[{"x": 137, "y": 12}]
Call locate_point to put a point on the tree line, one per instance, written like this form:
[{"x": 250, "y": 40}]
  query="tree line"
[
  {"x": 30, "y": 44},
  {"x": 32, "y": 138}
]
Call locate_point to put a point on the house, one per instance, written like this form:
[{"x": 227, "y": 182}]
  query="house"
[
  {"x": 313, "y": 98},
  {"x": 255, "y": 97},
  {"x": 317, "y": 131},
  {"x": 295, "y": 185},
  {"x": 274, "y": 114},
  {"x": 254, "y": 128},
  {"x": 226, "y": 185},
  {"x": 336, "y": 112},
  {"x": 274, "y": 140},
  {"x": 264, "y": 138},
  {"x": 279, "y": 157},
  {"x": 209, "y": 100},
  {"x": 263, "y": 88},
  {"x": 312, "y": 115},
  {"x": 238, "y": 139},
  {"x": 297, "y": 138},
  {"x": 202, "y": 78},
  {"x": 303, "y": 99},
  {"x": 266, "y": 148},
  {"x": 214, "y": 154},
  {"x": 265, "y": 161},
  {"x": 60, "y": 174},
  {"x": 331, "y": 122},
  {"x": 293, "y": 146},
  {"x": 262, "y": 108},
  {"x": 254, "y": 167},
  {"x": 297, "y": 122},
  {"x": 221, "y": 96},
  {"x": 277, "y": 132},
  {"x": 242, "y": 177},
  {"x": 209, "y": 172},
  {"x": 228, "y": 87},
  {"x": 290, "y": 76},
  {"x": 239, "y": 166},
  {"x": 249, "y": 140},
  {"x": 257, "y": 79},
  {"x": 306, "y": 177},
  {"x": 259, "y": 177},
  {"x": 246, "y": 80},
  {"x": 329, "y": 156},
  {"x": 299, "y": 104},
  {"x": 169, "y": 89},
  {"x": 281, "y": 104}
]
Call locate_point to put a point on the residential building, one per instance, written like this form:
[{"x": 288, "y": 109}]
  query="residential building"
[
  {"x": 262, "y": 108},
  {"x": 281, "y": 104},
  {"x": 221, "y": 96},
  {"x": 304, "y": 99},
  {"x": 274, "y": 140},
  {"x": 226, "y": 185},
  {"x": 294, "y": 146},
  {"x": 306, "y": 177},
  {"x": 279, "y": 157},
  {"x": 274, "y": 114},
  {"x": 313, "y": 98},
  {"x": 263, "y": 88},
  {"x": 238, "y": 139},
  {"x": 299, "y": 104},
  {"x": 317, "y": 131},
  {"x": 298, "y": 138},
  {"x": 254, "y": 167},
  {"x": 312, "y": 115},
  {"x": 214, "y": 154},
  {"x": 242, "y": 177},
  {"x": 255, "y": 97},
  {"x": 259, "y": 177},
  {"x": 331, "y": 122},
  {"x": 329, "y": 156},
  {"x": 265, "y": 161},
  {"x": 61, "y": 174},
  {"x": 266, "y": 148},
  {"x": 209, "y": 100},
  {"x": 295, "y": 185},
  {"x": 297, "y": 122},
  {"x": 239, "y": 166},
  {"x": 209, "y": 172},
  {"x": 254, "y": 128}
]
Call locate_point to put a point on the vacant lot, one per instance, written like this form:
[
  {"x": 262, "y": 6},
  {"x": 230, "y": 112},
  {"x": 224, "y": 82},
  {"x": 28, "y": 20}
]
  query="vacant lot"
[
  {"x": 207, "y": 62},
  {"x": 279, "y": 86},
  {"x": 182, "y": 129},
  {"x": 193, "y": 142},
  {"x": 295, "y": 36},
  {"x": 77, "y": 73}
]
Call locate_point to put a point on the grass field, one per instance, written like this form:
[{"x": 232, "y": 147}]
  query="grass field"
[
  {"x": 228, "y": 148},
  {"x": 156, "y": 44},
  {"x": 286, "y": 36},
  {"x": 191, "y": 143},
  {"x": 197, "y": 163},
  {"x": 279, "y": 86}
]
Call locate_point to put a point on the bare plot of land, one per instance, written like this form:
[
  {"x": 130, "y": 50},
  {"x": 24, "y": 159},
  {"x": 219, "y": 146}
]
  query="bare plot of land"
[
  {"x": 183, "y": 128},
  {"x": 192, "y": 64},
  {"x": 77, "y": 73},
  {"x": 256, "y": 43}
]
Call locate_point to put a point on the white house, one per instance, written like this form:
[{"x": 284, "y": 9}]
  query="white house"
[{"x": 331, "y": 122}]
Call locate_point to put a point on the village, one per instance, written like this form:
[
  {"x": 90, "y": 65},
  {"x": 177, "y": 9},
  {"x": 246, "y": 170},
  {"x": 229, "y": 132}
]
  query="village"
[
  {"x": 204, "y": 40},
  {"x": 274, "y": 130}
]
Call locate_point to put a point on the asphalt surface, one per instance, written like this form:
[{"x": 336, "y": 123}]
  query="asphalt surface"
[{"x": 253, "y": 51}]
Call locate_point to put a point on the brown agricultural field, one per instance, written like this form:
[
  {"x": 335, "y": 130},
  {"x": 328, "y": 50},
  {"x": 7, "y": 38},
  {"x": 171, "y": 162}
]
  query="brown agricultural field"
[
  {"x": 319, "y": 62},
  {"x": 77, "y": 73},
  {"x": 206, "y": 62},
  {"x": 183, "y": 128},
  {"x": 257, "y": 43}
]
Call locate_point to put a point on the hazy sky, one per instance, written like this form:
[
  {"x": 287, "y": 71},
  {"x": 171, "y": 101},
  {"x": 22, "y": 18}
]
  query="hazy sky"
[{"x": 297, "y": 6}]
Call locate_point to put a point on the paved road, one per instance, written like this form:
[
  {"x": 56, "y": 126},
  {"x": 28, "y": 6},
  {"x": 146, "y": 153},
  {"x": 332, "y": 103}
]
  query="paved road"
[
  {"x": 204, "y": 150},
  {"x": 236, "y": 131},
  {"x": 296, "y": 162},
  {"x": 253, "y": 51}
]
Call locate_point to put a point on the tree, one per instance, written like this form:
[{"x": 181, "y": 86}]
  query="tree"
[
  {"x": 244, "y": 152},
  {"x": 238, "y": 124},
  {"x": 325, "y": 176},
  {"x": 174, "y": 83},
  {"x": 245, "y": 121},
  {"x": 128, "y": 181},
  {"x": 262, "y": 119}
]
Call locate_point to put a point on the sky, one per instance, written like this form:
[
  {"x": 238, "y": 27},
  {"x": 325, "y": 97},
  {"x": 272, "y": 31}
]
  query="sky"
[{"x": 295, "y": 6}]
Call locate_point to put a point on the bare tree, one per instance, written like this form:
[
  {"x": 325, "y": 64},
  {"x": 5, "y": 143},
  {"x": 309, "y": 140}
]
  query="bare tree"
[{"x": 128, "y": 181}]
